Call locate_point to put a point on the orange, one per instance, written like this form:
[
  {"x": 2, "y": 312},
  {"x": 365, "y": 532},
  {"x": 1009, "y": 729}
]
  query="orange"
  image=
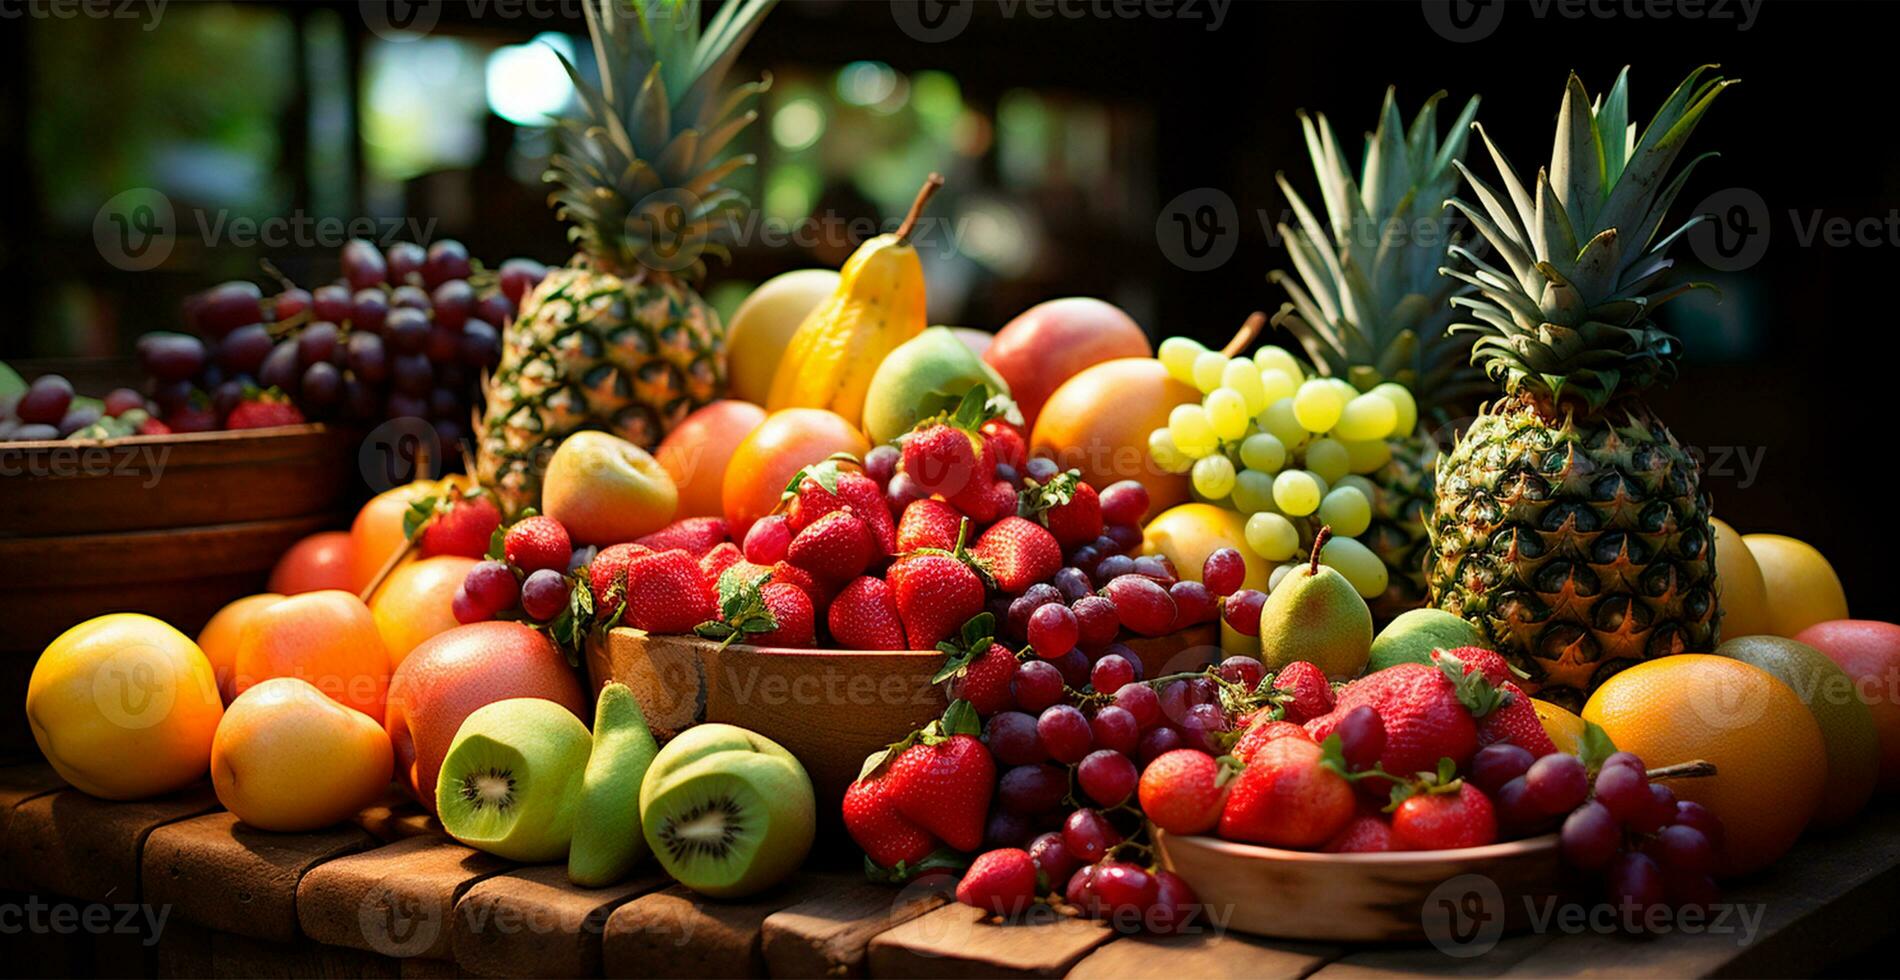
[
  {"x": 417, "y": 602},
  {"x": 287, "y": 758},
  {"x": 698, "y": 450},
  {"x": 323, "y": 560},
  {"x": 1098, "y": 422},
  {"x": 377, "y": 531},
  {"x": 1802, "y": 588},
  {"x": 219, "y": 638},
  {"x": 1847, "y": 727},
  {"x": 1565, "y": 729},
  {"x": 786, "y": 442},
  {"x": 1770, "y": 760},
  {"x": 327, "y": 638}
]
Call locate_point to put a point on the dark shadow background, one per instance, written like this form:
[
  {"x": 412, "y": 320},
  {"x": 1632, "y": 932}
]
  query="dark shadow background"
[{"x": 1789, "y": 370}]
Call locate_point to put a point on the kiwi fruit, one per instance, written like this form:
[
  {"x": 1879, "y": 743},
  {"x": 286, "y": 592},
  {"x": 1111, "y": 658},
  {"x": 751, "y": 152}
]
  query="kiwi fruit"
[
  {"x": 512, "y": 777},
  {"x": 729, "y": 823},
  {"x": 607, "y": 839},
  {"x": 700, "y": 741}
]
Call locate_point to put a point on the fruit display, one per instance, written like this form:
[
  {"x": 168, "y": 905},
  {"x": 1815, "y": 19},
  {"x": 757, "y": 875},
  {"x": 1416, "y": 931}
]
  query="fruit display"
[
  {"x": 48, "y": 409},
  {"x": 618, "y": 339}
]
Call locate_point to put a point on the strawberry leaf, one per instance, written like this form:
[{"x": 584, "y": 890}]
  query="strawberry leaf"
[
  {"x": 1478, "y": 695},
  {"x": 970, "y": 415},
  {"x": 417, "y": 516},
  {"x": 497, "y": 546},
  {"x": 940, "y": 860},
  {"x": 1332, "y": 755},
  {"x": 979, "y": 631},
  {"x": 960, "y": 719},
  {"x": 1036, "y": 500},
  {"x": 1594, "y": 746},
  {"x": 824, "y": 473},
  {"x": 742, "y": 608}
]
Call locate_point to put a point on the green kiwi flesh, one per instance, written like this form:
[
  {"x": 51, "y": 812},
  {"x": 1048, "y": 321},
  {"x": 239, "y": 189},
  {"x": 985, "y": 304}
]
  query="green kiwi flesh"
[
  {"x": 511, "y": 779},
  {"x": 731, "y": 823}
]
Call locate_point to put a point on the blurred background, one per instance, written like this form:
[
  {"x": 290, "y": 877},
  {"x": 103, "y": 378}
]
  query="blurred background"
[{"x": 1071, "y": 136}]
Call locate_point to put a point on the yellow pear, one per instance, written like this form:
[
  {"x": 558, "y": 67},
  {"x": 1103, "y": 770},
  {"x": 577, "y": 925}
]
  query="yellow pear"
[{"x": 1739, "y": 583}]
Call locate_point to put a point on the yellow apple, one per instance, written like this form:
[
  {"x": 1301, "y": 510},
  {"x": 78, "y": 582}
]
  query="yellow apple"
[
  {"x": 606, "y": 490},
  {"x": 1802, "y": 588}
]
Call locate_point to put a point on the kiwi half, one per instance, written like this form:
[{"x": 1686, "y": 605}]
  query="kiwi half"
[
  {"x": 732, "y": 823},
  {"x": 700, "y": 741},
  {"x": 511, "y": 779},
  {"x": 607, "y": 838}
]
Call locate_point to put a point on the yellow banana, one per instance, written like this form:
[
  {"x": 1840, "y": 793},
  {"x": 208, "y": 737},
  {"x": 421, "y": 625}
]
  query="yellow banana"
[{"x": 878, "y": 305}]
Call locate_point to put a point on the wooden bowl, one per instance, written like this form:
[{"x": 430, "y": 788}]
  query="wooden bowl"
[{"x": 1398, "y": 896}]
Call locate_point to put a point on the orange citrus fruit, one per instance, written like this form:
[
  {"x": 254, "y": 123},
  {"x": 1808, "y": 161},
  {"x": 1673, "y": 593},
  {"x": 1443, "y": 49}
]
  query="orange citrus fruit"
[{"x": 1770, "y": 760}]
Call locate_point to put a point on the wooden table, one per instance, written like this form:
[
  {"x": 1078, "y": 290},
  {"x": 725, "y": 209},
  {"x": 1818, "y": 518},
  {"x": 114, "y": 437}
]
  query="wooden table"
[{"x": 177, "y": 887}]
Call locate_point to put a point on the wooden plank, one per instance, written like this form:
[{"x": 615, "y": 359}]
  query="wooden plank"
[
  {"x": 828, "y": 935},
  {"x": 20, "y": 782},
  {"x": 1205, "y": 955},
  {"x": 535, "y": 923},
  {"x": 394, "y": 900},
  {"x": 247, "y": 958},
  {"x": 185, "y": 954},
  {"x": 219, "y": 873},
  {"x": 1418, "y": 960},
  {"x": 676, "y": 933},
  {"x": 71, "y": 844},
  {"x": 960, "y": 941},
  {"x": 398, "y": 817}
]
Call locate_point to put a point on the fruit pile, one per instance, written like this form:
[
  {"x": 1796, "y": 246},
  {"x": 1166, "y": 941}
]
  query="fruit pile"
[{"x": 49, "y": 409}]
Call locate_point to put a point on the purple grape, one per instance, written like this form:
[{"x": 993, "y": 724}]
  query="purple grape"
[
  {"x": 171, "y": 356},
  {"x": 76, "y": 418},
  {"x": 409, "y": 298},
  {"x": 403, "y": 260},
  {"x": 1038, "y": 685},
  {"x": 363, "y": 263},
  {"x": 1032, "y": 790},
  {"x": 1624, "y": 790},
  {"x": 1243, "y": 670},
  {"x": 1111, "y": 673},
  {"x": 402, "y": 405},
  {"x": 226, "y": 396},
  {"x": 280, "y": 368},
  {"x": 1159, "y": 741},
  {"x": 45, "y": 401},
  {"x": 1590, "y": 837},
  {"x": 171, "y": 396},
  {"x": 412, "y": 374},
  {"x": 1012, "y": 739},
  {"x": 544, "y": 595},
  {"x": 317, "y": 342},
  {"x": 453, "y": 301},
  {"x": 322, "y": 385},
  {"x": 444, "y": 404},
  {"x": 1495, "y": 765},
  {"x": 1072, "y": 584},
  {"x": 1361, "y": 737},
  {"x": 446, "y": 259},
  {"x": 444, "y": 345},
  {"x": 331, "y": 303},
  {"x": 492, "y": 585},
  {"x": 369, "y": 308},
  {"x": 1682, "y": 849},
  {"x": 122, "y": 400},
  {"x": 1633, "y": 880},
  {"x": 1089, "y": 835},
  {"x": 1107, "y": 777},
  {"x": 35, "y": 432},
  {"x": 1065, "y": 733},
  {"x": 1073, "y": 666},
  {"x": 242, "y": 351},
  {"x": 1140, "y": 700},
  {"x": 226, "y": 307},
  {"x": 1115, "y": 728},
  {"x": 289, "y": 303},
  {"x": 494, "y": 308},
  {"x": 1114, "y": 566},
  {"x": 1558, "y": 782},
  {"x": 366, "y": 357},
  {"x": 481, "y": 344},
  {"x": 1041, "y": 469},
  {"x": 520, "y": 275},
  {"x": 361, "y": 401},
  {"x": 1006, "y": 829},
  {"x": 406, "y": 330}
]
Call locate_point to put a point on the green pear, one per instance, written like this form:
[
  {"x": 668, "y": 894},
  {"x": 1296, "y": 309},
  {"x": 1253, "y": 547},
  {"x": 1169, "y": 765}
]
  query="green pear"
[
  {"x": 1315, "y": 615},
  {"x": 1411, "y": 637},
  {"x": 607, "y": 839},
  {"x": 923, "y": 376}
]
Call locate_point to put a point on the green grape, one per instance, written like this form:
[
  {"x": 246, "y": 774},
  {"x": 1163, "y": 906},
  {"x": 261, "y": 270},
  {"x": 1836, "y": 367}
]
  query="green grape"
[
  {"x": 1271, "y": 356},
  {"x": 1297, "y": 492},
  {"x": 1344, "y": 387},
  {"x": 1166, "y": 454},
  {"x": 1358, "y": 483},
  {"x": 1278, "y": 421},
  {"x": 1357, "y": 563},
  {"x": 1263, "y": 451},
  {"x": 1317, "y": 405},
  {"x": 1401, "y": 399},
  {"x": 1193, "y": 435},
  {"x": 1328, "y": 459},
  {"x": 1367, "y": 417},
  {"x": 1273, "y": 579},
  {"x": 1209, "y": 365},
  {"x": 1227, "y": 413},
  {"x": 1277, "y": 384},
  {"x": 1272, "y": 537},
  {"x": 1368, "y": 456},
  {"x": 1214, "y": 476},
  {"x": 1346, "y": 511},
  {"x": 1242, "y": 376},
  {"x": 1177, "y": 355},
  {"x": 1253, "y": 492}
]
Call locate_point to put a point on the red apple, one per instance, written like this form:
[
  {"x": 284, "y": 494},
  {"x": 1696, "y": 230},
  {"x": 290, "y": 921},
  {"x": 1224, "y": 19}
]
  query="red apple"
[
  {"x": 1869, "y": 652},
  {"x": 1051, "y": 342}
]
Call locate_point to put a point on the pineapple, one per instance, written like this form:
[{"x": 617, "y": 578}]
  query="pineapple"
[
  {"x": 618, "y": 339},
  {"x": 1369, "y": 306},
  {"x": 1570, "y": 526}
]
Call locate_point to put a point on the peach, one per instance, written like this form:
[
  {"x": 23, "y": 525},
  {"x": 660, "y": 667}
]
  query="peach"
[
  {"x": 451, "y": 674},
  {"x": 324, "y": 560},
  {"x": 786, "y": 442},
  {"x": 606, "y": 490},
  {"x": 289, "y": 758},
  {"x": 327, "y": 638},
  {"x": 1051, "y": 342},
  {"x": 1099, "y": 422},
  {"x": 415, "y": 602},
  {"x": 219, "y": 638},
  {"x": 697, "y": 450},
  {"x": 377, "y": 531}
]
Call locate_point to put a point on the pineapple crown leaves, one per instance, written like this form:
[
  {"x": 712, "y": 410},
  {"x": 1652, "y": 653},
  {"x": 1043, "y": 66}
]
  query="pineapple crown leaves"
[
  {"x": 742, "y": 608},
  {"x": 1565, "y": 311},
  {"x": 1367, "y": 297},
  {"x": 960, "y": 718},
  {"x": 1474, "y": 691},
  {"x": 1443, "y": 781},
  {"x": 638, "y": 168},
  {"x": 974, "y": 641}
]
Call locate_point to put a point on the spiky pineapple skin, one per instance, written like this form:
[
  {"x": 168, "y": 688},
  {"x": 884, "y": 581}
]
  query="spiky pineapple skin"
[
  {"x": 1403, "y": 497},
  {"x": 591, "y": 350},
  {"x": 1579, "y": 543}
]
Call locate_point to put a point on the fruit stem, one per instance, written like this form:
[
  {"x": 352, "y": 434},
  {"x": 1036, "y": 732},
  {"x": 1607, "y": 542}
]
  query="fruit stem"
[
  {"x": 1319, "y": 541},
  {"x": 1249, "y": 332},
  {"x": 395, "y": 558},
  {"x": 931, "y": 184},
  {"x": 1693, "y": 769}
]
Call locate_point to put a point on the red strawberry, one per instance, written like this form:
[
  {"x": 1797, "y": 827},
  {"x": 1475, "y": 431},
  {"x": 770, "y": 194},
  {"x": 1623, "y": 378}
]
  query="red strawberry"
[
  {"x": 1364, "y": 833},
  {"x": 1002, "y": 882},
  {"x": 1261, "y": 732},
  {"x": 817, "y": 589},
  {"x": 155, "y": 427},
  {"x": 935, "y": 595},
  {"x": 715, "y": 562},
  {"x": 941, "y": 459},
  {"x": 463, "y": 525},
  {"x": 534, "y": 543},
  {"x": 693, "y": 535},
  {"x": 985, "y": 680},
  {"x": 986, "y": 502},
  {"x": 1005, "y": 443},
  {"x": 1068, "y": 507},
  {"x": 871, "y": 817},
  {"x": 867, "y": 500},
  {"x": 944, "y": 785},
  {"x": 665, "y": 593},
  {"x": 792, "y": 610},
  {"x": 1182, "y": 791},
  {"x": 1286, "y": 798},
  {"x": 1488, "y": 663},
  {"x": 607, "y": 576},
  {"x": 196, "y": 415},
  {"x": 1309, "y": 695},
  {"x": 1515, "y": 721},
  {"x": 1426, "y": 715},
  {"x": 1019, "y": 552},
  {"x": 928, "y": 524},
  {"x": 263, "y": 409},
  {"x": 835, "y": 547},
  {"x": 863, "y": 616},
  {"x": 824, "y": 487},
  {"x": 1436, "y": 821}
]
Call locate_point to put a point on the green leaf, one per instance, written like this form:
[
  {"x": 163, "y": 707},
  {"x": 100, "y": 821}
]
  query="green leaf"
[
  {"x": 497, "y": 548},
  {"x": 942, "y": 859},
  {"x": 970, "y": 414},
  {"x": 960, "y": 719},
  {"x": 1594, "y": 746},
  {"x": 1036, "y": 501},
  {"x": 1332, "y": 755},
  {"x": 417, "y": 516},
  {"x": 824, "y": 473}
]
